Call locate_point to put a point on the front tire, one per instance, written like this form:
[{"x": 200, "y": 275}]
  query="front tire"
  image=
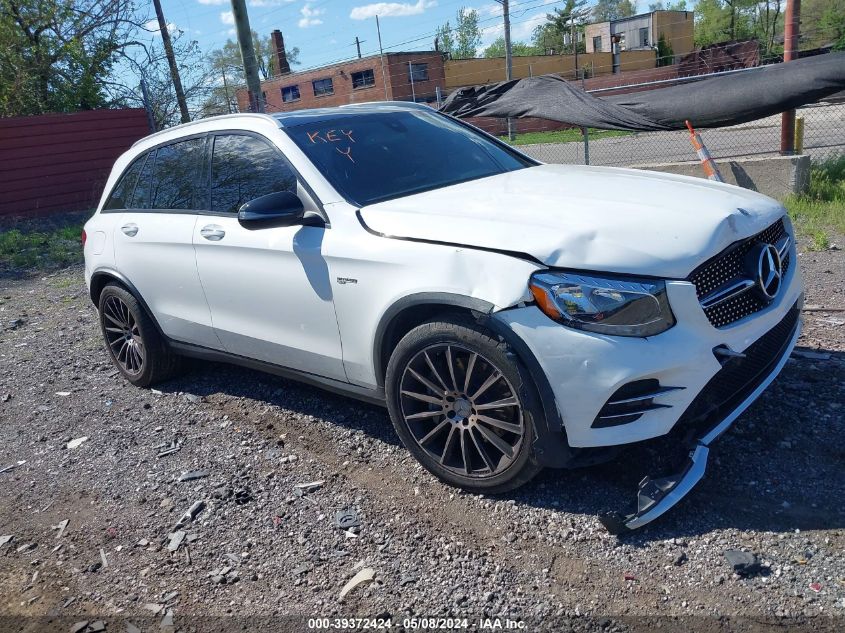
[
  {"x": 136, "y": 348},
  {"x": 463, "y": 405}
]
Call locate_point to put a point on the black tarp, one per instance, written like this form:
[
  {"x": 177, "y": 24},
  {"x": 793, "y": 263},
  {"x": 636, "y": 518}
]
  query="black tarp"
[{"x": 715, "y": 102}]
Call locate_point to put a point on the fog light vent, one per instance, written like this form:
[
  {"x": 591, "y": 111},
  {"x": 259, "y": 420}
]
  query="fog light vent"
[{"x": 631, "y": 401}]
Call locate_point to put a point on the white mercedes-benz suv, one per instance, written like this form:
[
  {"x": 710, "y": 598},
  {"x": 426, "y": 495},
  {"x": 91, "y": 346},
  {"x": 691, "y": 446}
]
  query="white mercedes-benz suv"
[{"x": 511, "y": 315}]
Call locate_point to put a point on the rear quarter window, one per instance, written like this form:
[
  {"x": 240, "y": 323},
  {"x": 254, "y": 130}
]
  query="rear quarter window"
[{"x": 121, "y": 194}]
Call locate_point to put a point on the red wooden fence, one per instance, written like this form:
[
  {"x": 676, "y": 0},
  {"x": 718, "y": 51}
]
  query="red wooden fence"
[{"x": 60, "y": 162}]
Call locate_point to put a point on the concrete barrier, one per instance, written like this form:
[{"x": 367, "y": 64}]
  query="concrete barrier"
[{"x": 775, "y": 176}]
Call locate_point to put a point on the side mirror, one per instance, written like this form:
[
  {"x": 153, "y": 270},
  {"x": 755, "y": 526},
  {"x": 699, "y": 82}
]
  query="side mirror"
[{"x": 281, "y": 208}]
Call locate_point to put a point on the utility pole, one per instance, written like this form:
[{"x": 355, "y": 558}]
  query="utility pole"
[
  {"x": 226, "y": 91},
  {"x": 358, "y": 45},
  {"x": 381, "y": 54},
  {"x": 171, "y": 61},
  {"x": 145, "y": 96},
  {"x": 248, "y": 55},
  {"x": 411, "y": 76},
  {"x": 790, "y": 51},
  {"x": 508, "y": 54}
]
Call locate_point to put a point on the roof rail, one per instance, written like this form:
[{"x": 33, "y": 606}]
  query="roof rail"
[{"x": 239, "y": 115}]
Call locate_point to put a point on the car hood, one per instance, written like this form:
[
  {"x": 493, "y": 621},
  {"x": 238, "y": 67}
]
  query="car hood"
[{"x": 591, "y": 218}]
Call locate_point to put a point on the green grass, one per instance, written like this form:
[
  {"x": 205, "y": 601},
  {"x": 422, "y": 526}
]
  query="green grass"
[
  {"x": 821, "y": 210},
  {"x": 572, "y": 135},
  {"x": 41, "y": 250}
]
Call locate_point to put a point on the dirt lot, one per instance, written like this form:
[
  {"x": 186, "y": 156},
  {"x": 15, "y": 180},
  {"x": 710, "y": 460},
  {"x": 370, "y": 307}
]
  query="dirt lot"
[{"x": 261, "y": 549}]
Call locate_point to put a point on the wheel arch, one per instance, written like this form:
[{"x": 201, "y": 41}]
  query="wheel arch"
[
  {"x": 551, "y": 447},
  {"x": 103, "y": 276},
  {"x": 412, "y": 310}
]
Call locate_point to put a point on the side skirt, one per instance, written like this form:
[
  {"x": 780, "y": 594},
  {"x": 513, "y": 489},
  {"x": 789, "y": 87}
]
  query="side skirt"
[{"x": 371, "y": 395}]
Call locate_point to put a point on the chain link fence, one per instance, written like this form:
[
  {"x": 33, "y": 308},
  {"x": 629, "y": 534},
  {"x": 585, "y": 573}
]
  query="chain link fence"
[{"x": 824, "y": 137}]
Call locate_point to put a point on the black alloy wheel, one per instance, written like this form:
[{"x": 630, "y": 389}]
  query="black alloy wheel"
[
  {"x": 462, "y": 410},
  {"x": 463, "y": 405},
  {"x": 134, "y": 343},
  {"x": 123, "y": 336}
]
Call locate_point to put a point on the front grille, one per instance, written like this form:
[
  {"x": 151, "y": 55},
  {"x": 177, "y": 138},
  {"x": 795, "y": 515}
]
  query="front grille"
[
  {"x": 740, "y": 376},
  {"x": 730, "y": 265}
]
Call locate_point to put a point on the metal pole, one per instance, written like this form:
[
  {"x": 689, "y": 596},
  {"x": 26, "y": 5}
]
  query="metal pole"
[
  {"x": 145, "y": 96},
  {"x": 575, "y": 47},
  {"x": 381, "y": 53},
  {"x": 248, "y": 55},
  {"x": 508, "y": 56},
  {"x": 185, "y": 117},
  {"x": 799, "y": 135},
  {"x": 411, "y": 76},
  {"x": 226, "y": 90},
  {"x": 790, "y": 52},
  {"x": 439, "y": 96},
  {"x": 586, "y": 133}
]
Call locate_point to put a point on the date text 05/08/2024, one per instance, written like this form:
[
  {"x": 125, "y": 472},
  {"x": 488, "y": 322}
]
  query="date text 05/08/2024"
[{"x": 416, "y": 624}]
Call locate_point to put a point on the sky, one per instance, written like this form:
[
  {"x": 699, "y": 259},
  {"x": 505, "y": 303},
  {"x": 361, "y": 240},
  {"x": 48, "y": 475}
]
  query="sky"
[{"x": 325, "y": 30}]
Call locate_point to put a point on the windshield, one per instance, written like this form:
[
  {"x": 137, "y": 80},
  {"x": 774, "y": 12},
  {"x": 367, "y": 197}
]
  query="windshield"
[{"x": 376, "y": 156}]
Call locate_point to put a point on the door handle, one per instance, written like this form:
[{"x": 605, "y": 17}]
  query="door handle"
[
  {"x": 212, "y": 232},
  {"x": 130, "y": 229}
]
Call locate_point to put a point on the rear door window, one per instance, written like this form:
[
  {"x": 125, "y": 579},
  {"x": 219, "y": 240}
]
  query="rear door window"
[
  {"x": 174, "y": 183},
  {"x": 244, "y": 168}
]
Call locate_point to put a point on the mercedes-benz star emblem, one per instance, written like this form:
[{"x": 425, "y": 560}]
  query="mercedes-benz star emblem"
[{"x": 769, "y": 271}]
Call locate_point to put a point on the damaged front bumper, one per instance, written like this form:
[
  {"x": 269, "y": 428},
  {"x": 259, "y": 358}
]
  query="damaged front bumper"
[{"x": 655, "y": 496}]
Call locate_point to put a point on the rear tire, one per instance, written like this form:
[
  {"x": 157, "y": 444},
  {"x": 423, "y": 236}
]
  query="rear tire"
[
  {"x": 134, "y": 343},
  {"x": 463, "y": 405}
]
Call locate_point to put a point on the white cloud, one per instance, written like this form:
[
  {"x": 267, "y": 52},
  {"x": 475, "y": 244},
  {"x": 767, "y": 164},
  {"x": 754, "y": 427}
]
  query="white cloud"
[
  {"x": 391, "y": 9},
  {"x": 227, "y": 17},
  {"x": 521, "y": 30},
  {"x": 152, "y": 26},
  {"x": 215, "y": 2},
  {"x": 310, "y": 17}
]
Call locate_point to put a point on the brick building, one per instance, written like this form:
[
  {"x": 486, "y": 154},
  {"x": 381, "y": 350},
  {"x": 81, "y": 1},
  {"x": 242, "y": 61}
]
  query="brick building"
[{"x": 410, "y": 76}]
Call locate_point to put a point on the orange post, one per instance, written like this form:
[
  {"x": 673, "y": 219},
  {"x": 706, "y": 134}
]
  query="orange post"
[{"x": 707, "y": 162}]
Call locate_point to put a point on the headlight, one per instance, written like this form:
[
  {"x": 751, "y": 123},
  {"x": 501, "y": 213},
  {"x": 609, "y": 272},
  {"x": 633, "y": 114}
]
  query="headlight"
[{"x": 622, "y": 307}]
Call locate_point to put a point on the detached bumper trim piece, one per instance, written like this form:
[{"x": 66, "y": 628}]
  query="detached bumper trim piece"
[{"x": 656, "y": 496}]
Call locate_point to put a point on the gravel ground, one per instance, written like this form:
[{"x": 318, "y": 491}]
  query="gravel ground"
[{"x": 261, "y": 548}]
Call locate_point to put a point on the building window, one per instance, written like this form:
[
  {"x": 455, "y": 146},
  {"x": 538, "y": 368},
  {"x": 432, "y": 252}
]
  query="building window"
[
  {"x": 363, "y": 79},
  {"x": 597, "y": 44},
  {"x": 323, "y": 87},
  {"x": 644, "y": 37},
  {"x": 418, "y": 72},
  {"x": 290, "y": 93}
]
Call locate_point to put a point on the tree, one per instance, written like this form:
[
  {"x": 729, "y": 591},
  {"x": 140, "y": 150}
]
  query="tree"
[
  {"x": 226, "y": 62},
  {"x": 147, "y": 62},
  {"x": 823, "y": 24},
  {"x": 605, "y": 10},
  {"x": 681, "y": 5},
  {"x": 724, "y": 20},
  {"x": 463, "y": 41},
  {"x": 565, "y": 23},
  {"x": 767, "y": 24},
  {"x": 665, "y": 54},
  {"x": 443, "y": 40},
  {"x": 467, "y": 34},
  {"x": 56, "y": 55},
  {"x": 519, "y": 49}
]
